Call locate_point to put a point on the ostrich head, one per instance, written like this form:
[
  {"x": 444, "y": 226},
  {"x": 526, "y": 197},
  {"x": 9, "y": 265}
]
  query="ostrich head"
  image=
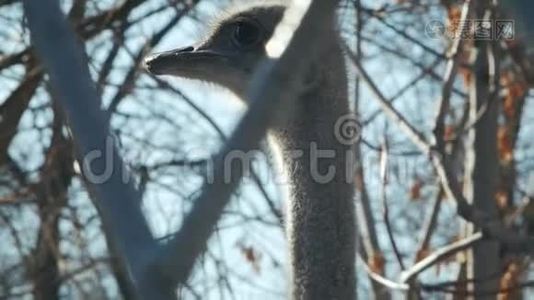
[{"x": 230, "y": 53}]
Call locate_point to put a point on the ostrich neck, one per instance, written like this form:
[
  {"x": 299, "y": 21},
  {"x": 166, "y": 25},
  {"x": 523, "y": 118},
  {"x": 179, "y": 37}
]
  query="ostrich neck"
[{"x": 320, "y": 214}]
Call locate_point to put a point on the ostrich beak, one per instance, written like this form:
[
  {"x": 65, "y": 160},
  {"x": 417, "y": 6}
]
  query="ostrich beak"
[{"x": 187, "y": 62}]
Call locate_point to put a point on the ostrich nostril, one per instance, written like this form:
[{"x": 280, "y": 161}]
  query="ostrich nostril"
[{"x": 186, "y": 49}]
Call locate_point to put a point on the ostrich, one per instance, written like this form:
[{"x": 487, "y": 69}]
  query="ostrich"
[{"x": 319, "y": 220}]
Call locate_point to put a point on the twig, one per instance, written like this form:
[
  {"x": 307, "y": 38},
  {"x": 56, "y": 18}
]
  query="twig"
[
  {"x": 430, "y": 223},
  {"x": 438, "y": 255},
  {"x": 488, "y": 292},
  {"x": 389, "y": 230},
  {"x": 388, "y": 283}
]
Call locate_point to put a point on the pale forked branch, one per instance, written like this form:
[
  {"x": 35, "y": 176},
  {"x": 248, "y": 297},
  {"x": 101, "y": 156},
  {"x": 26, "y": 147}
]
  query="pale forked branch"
[
  {"x": 438, "y": 255},
  {"x": 406, "y": 276}
]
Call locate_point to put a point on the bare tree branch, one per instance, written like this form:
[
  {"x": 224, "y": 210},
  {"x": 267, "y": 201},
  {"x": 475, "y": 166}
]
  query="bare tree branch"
[
  {"x": 438, "y": 255},
  {"x": 118, "y": 202},
  {"x": 385, "y": 208},
  {"x": 12, "y": 109}
]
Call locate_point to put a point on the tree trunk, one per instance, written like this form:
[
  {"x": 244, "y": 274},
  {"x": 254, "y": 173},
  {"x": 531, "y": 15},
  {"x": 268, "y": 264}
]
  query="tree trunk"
[{"x": 482, "y": 168}]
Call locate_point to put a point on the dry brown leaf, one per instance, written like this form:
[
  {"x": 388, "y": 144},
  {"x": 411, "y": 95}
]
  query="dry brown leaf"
[
  {"x": 504, "y": 145},
  {"x": 376, "y": 263},
  {"x": 415, "y": 190},
  {"x": 422, "y": 254},
  {"x": 251, "y": 256}
]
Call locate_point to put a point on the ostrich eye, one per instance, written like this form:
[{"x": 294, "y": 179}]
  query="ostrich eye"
[{"x": 246, "y": 34}]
